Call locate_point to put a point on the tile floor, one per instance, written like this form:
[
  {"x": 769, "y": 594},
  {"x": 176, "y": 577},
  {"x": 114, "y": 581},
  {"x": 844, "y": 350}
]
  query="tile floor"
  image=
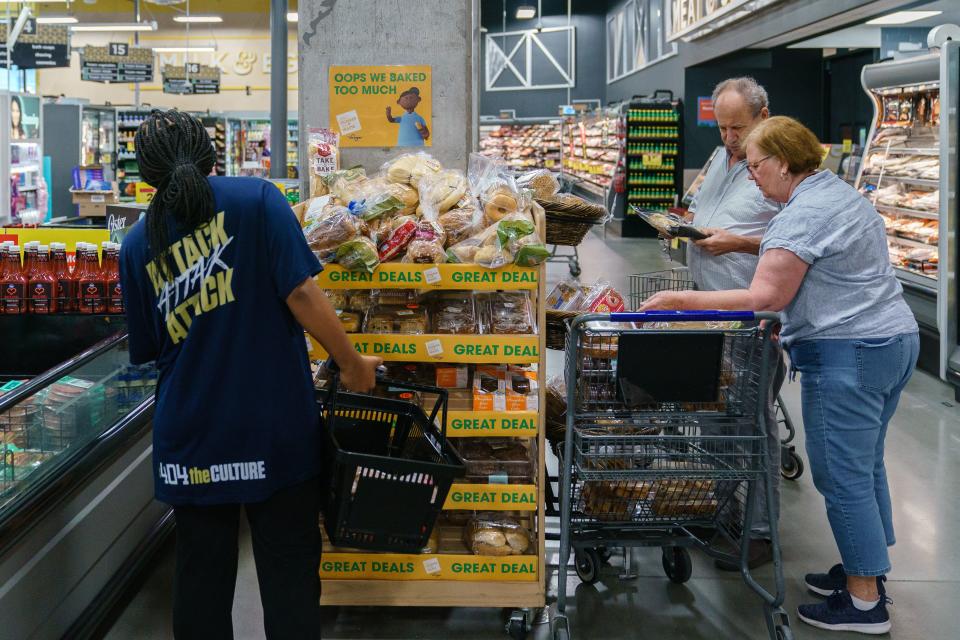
[{"x": 923, "y": 461}]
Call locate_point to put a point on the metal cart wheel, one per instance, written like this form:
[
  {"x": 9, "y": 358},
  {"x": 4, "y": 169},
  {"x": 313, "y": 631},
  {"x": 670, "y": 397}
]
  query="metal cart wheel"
[
  {"x": 587, "y": 562},
  {"x": 605, "y": 554},
  {"x": 517, "y": 627},
  {"x": 677, "y": 564},
  {"x": 561, "y": 628},
  {"x": 784, "y": 633},
  {"x": 575, "y": 269},
  {"x": 791, "y": 464}
]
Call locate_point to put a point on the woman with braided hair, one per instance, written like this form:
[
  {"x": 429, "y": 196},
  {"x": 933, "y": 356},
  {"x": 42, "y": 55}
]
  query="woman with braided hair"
[{"x": 218, "y": 286}]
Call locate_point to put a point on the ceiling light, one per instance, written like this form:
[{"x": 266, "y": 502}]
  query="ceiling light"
[
  {"x": 293, "y": 16},
  {"x": 185, "y": 49},
  {"x": 525, "y": 12},
  {"x": 198, "y": 19},
  {"x": 57, "y": 20},
  {"x": 903, "y": 17},
  {"x": 115, "y": 26}
]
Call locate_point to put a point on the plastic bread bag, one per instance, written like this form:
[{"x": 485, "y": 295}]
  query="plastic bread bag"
[
  {"x": 324, "y": 154},
  {"x": 327, "y": 234},
  {"x": 462, "y": 221},
  {"x": 493, "y": 183},
  {"x": 483, "y": 249},
  {"x": 427, "y": 244},
  {"x": 530, "y": 251},
  {"x": 410, "y": 168},
  {"x": 316, "y": 209},
  {"x": 344, "y": 184},
  {"x": 567, "y": 295},
  {"x": 493, "y": 534},
  {"x": 542, "y": 182},
  {"x": 358, "y": 254},
  {"x": 376, "y": 198},
  {"x": 396, "y": 236},
  {"x": 441, "y": 192}
]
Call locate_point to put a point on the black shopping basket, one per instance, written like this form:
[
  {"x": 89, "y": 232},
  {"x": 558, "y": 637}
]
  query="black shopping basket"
[{"x": 389, "y": 466}]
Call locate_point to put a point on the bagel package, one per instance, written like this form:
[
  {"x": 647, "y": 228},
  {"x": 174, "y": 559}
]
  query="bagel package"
[{"x": 492, "y": 534}]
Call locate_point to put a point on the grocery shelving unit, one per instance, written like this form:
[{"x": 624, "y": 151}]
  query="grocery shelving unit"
[
  {"x": 453, "y": 576},
  {"x": 128, "y": 172},
  {"x": 525, "y": 143},
  {"x": 23, "y": 157},
  {"x": 592, "y": 146},
  {"x": 216, "y": 127},
  {"x": 244, "y": 132},
  {"x": 909, "y": 173},
  {"x": 654, "y": 157}
]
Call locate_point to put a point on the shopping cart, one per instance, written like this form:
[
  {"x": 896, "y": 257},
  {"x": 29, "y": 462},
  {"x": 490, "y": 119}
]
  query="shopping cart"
[
  {"x": 644, "y": 285},
  {"x": 390, "y": 466},
  {"x": 652, "y": 455}
]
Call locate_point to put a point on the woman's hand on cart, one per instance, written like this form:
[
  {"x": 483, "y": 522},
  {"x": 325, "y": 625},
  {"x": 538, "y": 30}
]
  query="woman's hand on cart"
[
  {"x": 664, "y": 300},
  {"x": 359, "y": 374}
]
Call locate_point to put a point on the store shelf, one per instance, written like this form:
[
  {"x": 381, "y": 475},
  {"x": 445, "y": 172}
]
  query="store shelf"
[
  {"x": 900, "y": 211},
  {"x": 26, "y": 167},
  {"x": 916, "y": 278},
  {"x": 904, "y": 151},
  {"x": 426, "y": 567},
  {"x": 911, "y": 243},
  {"x": 494, "y": 424},
  {"x": 463, "y": 277},
  {"x": 466, "y": 349},
  {"x": 492, "y": 497},
  {"x": 921, "y": 182},
  {"x": 670, "y": 139},
  {"x": 438, "y": 593}
]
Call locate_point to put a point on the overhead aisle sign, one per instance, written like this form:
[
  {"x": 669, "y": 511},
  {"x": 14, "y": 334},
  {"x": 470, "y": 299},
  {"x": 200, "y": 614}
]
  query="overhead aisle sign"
[
  {"x": 116, "y": 62},
  {"x": 43, "y": 46},
  {"x": 192, "y": 78}
]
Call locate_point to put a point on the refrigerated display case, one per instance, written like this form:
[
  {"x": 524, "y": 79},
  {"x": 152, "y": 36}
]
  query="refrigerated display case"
[
  {"x": 249, "y": 149},
  {"x": 128, "y": 172},
  {"x": 76, "y": 492},
  {"x": 591, "y": 149},
  {"x": 909, "y": 172},
  {"x": 525, "y": 144},
  {"x": 21, "y": 152},
  {"x": 86, "y": 135}
]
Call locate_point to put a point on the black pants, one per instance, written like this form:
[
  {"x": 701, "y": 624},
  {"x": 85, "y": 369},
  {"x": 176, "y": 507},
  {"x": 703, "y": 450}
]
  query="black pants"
[{"x": 286, "y": 547}]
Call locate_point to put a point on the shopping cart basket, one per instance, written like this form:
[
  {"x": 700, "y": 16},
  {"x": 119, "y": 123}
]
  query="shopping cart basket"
[
  {"x": 644, "y": 285},
  {"x": 389, "y": 465},
  {"x": 655, "y": 452}
]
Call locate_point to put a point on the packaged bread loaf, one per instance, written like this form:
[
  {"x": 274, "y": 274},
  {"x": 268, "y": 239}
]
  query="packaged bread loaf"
[
  {"x": 493, "y": 534},
  {"x": 461, "y": 222},
  {"x": 441, "y": 191},
  {"x": 324, "y": 154},
  {"x": 542, "y": 182},
  {"x": 410, "y": 168},
  {"x": 327, "y": 234}
]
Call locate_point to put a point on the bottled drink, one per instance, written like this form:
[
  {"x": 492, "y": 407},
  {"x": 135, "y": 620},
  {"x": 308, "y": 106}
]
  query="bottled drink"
[
  {"x": 41, "y": 283},
  {"x": 14, "y": 283},
  {"x": 111, "y": 279}
]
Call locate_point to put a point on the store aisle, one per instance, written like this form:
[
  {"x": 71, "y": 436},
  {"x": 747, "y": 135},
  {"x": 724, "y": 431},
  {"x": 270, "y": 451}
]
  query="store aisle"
[{"x": 923, "y": 459}]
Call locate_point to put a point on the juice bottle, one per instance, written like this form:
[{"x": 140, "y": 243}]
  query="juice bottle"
[
  {"x": 14, "y": 285},
  {"x": 111, "y": 279},
  {"x": 42, "y": 283}
]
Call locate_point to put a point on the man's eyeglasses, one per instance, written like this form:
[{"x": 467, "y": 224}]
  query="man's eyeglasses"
[{"x": 753, "y": 166}]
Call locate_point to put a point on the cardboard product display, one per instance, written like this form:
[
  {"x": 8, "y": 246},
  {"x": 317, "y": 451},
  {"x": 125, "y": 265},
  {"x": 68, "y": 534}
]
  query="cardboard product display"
[
  {"x": 522, "y": 391},
  {"x": 94, "y": 203},
  {"x": 456, "y": 376}
]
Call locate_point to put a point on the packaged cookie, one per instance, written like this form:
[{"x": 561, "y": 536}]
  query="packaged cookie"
[
  {"x": 455, "y": 312},
  {"x": 349, "y": 320},
  {"x": 410, "y": 319},
  {"x": 509, "y": 312}
]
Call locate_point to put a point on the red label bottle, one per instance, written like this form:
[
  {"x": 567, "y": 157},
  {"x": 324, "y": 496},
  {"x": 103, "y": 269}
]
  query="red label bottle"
[
  {"x": 42, "y": 284},
  {"x": 111, "y": 278},
  {"x": 66, "y": 287},
  {"x": 14, "y": 285},
  {"x": 90, "y": 283}
]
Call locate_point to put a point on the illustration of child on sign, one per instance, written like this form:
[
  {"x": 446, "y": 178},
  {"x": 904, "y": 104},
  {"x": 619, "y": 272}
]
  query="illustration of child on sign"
[{"x": 413, "y": 128}]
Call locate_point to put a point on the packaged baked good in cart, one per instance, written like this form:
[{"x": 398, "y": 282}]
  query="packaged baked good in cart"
[
  {"x": 496, "y": 534},
  {"x": 455, "y": 312},
  {"x": 409, "y": 319},
  {"x": 669, "y": 224}
]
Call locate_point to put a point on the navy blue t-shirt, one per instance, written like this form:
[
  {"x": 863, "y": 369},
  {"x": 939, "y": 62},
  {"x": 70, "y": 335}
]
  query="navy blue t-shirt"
[{"x": 235, "y": 416}]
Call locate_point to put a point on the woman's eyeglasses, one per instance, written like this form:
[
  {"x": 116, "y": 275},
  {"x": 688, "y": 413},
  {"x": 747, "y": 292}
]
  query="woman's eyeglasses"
[{"x": 753, "y": 166}]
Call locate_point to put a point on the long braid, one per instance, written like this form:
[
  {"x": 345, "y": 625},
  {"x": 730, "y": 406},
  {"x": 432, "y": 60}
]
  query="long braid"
[{"x": 175, "y": 156}]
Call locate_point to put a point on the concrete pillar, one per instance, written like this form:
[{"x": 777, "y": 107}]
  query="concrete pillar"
[
  {"x": 278, "y": 88},
  {"x": 441, "y": 33}
]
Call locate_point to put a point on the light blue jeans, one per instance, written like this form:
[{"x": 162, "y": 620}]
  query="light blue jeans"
[{"x": 850, "y": 390}]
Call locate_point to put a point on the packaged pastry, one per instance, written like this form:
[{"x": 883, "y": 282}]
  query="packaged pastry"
[
  {"x": 360, "y": 301},
  {"x": 350, "y": 320},
  {"x": 603, "y": 298},
  {"x": 412, "y": 372},
  {"x": 441, "y": 191},
  {"x": 495, "y": 534},
  {"x": 426, "y": 247},
  {"x": 490, "y": 388},
  {"x": 542, "y": 182},
  {"x": 327, "y": 234},
  {"x": 461, "y": 222},
  {"x": 451, "y": 376},
  {"x": 410, "y": 168},
  {"x": 483, "y": 249},
  {"x": 409, "y": 319},
  {"x": 565, "y": 296},
  {"x": 398, "y": 235},
  {"x": 338, "y": 298},
  {"x": 395, "y": 296},
  {"x": 455, "y": 312},
  {"x": 496, "y": 460},
  {"x": 508, "y": 312},
  {"x": 522, "y": 390}
]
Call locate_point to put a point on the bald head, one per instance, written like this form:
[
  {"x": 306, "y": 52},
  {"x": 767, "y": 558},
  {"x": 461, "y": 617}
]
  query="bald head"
[{"x": 739, "y": 105}]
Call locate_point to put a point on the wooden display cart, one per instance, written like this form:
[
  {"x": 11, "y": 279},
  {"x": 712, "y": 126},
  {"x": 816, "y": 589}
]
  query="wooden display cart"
[{"x": 454, "y": 576}]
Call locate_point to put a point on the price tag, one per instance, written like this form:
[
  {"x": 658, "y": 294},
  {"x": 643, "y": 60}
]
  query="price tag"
[
  {"x": 431, "y": 566},
  {"x": 847, "y": 145},
  {"x": 498, "y": 478},
  {"x": 434, "y": 348},
  {"x": 652, "y": 160},
  {"x": 432, "y": 275}
]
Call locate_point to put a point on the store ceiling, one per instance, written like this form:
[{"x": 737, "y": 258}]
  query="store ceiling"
[{"x": 868, "y": 36}]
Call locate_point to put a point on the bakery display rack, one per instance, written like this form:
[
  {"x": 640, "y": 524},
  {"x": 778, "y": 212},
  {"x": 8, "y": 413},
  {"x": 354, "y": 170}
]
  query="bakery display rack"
[
  {"x": 523, "y": 143},
  {"x": 909, "y": 173},
  {"x": 654, "y": 156},
  {"x": 449, "y": 573}
]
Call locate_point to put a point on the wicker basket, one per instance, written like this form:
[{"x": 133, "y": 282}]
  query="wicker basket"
[
  {"x": 564, "y": 232},
  {"x": 557, "y": 325},
  {"x": 569, "y": 219}
]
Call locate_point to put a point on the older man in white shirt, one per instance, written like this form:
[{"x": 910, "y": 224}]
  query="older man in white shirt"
[{"x": 731, "y": 209}]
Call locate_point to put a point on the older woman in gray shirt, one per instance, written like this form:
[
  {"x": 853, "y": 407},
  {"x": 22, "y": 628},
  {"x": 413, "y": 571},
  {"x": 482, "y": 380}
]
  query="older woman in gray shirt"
[{"x": 824, "y": 264}]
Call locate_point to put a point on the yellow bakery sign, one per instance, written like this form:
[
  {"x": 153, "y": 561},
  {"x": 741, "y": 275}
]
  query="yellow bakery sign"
[
  {"x": 469, "y": 277},
  {"x": 496, "y": 349},
  {"x": 393, "y": 566},
  {"x": 382, "y": 106},
  {"x": 491, "y": 423},
  {"x": 492, "y": 497}
]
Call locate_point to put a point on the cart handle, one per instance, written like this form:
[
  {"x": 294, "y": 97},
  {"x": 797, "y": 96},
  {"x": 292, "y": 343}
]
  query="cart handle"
[
  {"x": 693, "y": 316},
  {"x": 439, "y": 407}
]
